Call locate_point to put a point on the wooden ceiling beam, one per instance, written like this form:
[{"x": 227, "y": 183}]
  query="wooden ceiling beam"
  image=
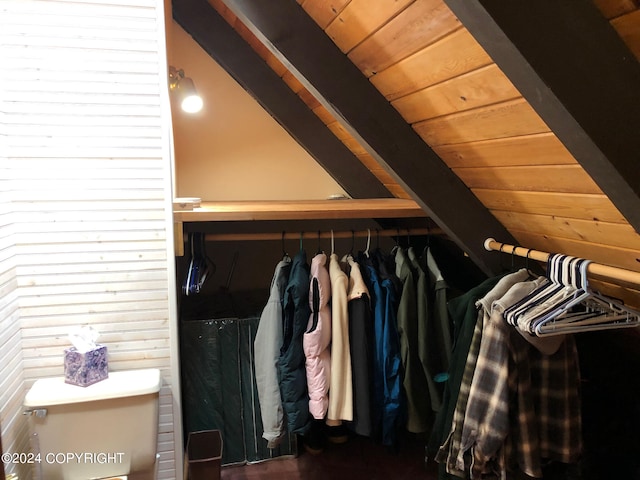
[
  {"x": 229, "y": 49},
  {"x": 341, "y": 88},
  {"x": 576, "y": 72}
]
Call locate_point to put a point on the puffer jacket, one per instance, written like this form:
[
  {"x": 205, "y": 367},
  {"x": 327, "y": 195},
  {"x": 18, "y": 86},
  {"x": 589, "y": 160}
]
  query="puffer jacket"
[
  {"x": 317, "y": 338},
  {"x": 291, "y": 364},
  {"x": 267, "y": 345}
]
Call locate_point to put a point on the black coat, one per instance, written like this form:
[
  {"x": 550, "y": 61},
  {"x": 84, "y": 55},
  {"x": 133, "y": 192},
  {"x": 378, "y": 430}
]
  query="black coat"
[{"x": 291, "y": 364}]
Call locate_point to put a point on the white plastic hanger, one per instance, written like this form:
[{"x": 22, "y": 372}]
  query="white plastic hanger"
[
  {"x": 599, "y": 312},
  {"x": 550, "y": 310},
  {"x": 542, "y": 293},
  {"x": 558, "y": 296}
]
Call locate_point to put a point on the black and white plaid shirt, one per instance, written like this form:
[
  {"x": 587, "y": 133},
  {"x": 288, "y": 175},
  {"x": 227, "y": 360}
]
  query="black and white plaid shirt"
[
  {"x": 450, "y": 450},
  {"x": 522, "y": 406}
]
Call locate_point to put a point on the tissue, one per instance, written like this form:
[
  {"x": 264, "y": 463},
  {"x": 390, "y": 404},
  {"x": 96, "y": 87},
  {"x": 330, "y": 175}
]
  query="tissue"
[
  {"x": 86, "y": 362},
  {"x": 84, "y": 338}
]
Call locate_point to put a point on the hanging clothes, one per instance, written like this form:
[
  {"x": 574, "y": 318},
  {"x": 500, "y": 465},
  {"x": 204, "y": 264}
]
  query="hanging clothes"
[
  {"x": 549, "y": 416},
  {"x": 440, "y": 313},
  {"x": 395, "y": 403},
  {"x": 267, "y": 344},
  {"x": 317, "y": 337},
  {"x": 518, "y": 406},
  {"x": 439, "y": 344},
  {"x": 361, "y": 349},
  {"x": 386, "y": 268},
  {"x": 488, "y": 409},
  {"x": 388, "y": 403},
  {"x": 341, "y": 388},
  {"x": 414, "y": 380},
  {"x": 452, "y": 449},
  {"x": 464, "y": 316},
  {"x": 377, "y": 302},
  {"x": 291, "y": 364},
  {"x": 423, "y": 311}
]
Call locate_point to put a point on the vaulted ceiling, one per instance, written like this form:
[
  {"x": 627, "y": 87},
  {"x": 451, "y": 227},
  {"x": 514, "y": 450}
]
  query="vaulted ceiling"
[{"x": 504, "y": 120}]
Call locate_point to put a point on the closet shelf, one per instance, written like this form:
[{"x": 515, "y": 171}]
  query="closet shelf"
[
  {"x": 291, "y": 210},
  {"x": 300, "y": 210}
]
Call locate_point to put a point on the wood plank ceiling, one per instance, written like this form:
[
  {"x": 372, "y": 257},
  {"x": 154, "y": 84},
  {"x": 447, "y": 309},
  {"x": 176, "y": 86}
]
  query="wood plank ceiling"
[{"x": 430, "y": 68}]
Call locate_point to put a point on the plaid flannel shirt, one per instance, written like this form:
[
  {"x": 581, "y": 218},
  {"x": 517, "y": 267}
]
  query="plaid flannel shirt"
[
  {"x": 542, "y": 390},
  {"x": 449, "y": 451}
]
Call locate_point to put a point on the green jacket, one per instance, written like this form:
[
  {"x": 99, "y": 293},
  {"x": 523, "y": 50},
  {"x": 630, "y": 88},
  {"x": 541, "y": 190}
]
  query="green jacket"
[
  {"x": 414, "y": 381},
  {"x": 463, "y": 314}
]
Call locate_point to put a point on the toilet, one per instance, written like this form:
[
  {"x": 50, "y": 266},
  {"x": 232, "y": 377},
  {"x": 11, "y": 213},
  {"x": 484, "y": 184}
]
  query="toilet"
[{"x": 103, "y": 431}]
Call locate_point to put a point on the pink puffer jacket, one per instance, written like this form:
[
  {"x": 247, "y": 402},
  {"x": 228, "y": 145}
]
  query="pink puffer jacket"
[{"x": 317, "y": 338}]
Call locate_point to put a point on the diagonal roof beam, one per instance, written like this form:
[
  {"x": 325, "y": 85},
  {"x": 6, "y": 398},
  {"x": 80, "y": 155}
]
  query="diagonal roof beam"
[
  {"x": 230, "y": 50},
  {"x": 285, "y": 28},
  {"x": 576, "y": 72}
]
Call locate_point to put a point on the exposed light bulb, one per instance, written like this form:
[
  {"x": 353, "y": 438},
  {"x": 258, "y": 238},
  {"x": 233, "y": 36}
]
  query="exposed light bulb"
[
  {"x": 190, "y": 101},
  {"x": 192, "y": 104}
]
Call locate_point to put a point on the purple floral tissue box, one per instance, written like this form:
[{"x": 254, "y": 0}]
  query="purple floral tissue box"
[{"x": 84, "y": 369}]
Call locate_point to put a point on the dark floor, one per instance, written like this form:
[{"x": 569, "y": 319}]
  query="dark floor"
[{"x": 358, "y": 459}]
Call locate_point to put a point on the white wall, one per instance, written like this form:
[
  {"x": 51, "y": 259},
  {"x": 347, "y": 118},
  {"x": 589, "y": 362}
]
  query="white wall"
[
  {"x": 86, "y": 173},
  {"x": 233, "y": 149},
  {"x": 14, "y": 435}
]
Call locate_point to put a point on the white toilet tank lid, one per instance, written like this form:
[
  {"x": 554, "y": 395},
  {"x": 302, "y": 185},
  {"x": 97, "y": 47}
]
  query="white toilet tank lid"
[{"x": 54, "y": 391}]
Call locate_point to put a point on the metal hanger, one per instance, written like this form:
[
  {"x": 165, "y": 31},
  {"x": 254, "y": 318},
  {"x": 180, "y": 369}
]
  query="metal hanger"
[
  {"x": 366, "y": 252},
  {"x": 285, "y": 255},
  {"x": 333, "y": 245}
]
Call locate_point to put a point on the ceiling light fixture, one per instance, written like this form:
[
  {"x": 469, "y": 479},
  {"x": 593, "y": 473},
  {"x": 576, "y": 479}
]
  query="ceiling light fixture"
[{"x": 186, "y": 92}]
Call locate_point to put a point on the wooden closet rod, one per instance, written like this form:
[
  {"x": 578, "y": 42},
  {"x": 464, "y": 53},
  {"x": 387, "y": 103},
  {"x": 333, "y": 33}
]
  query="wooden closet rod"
[
  {"x": 613, "y": 273},
  {"x": 237, "y": 237}
]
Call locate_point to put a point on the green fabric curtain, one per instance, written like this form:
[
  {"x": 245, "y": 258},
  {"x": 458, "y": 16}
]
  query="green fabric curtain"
[{"x": 219, "y": 391}]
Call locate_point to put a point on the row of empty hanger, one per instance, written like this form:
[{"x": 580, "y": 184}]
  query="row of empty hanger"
[{"x": 565, "y": 302}]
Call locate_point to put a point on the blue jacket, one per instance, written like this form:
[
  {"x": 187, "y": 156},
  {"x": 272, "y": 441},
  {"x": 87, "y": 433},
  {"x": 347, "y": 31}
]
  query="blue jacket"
[
  {"x": 387, "y": 368},
  {"x": 291, "y": 364}
]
